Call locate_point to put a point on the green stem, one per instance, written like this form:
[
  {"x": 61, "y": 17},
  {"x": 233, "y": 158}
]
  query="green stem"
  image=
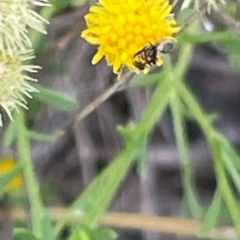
[
  {"x": 224, "y": 186},
  {"x": 176, "y": 75},
  {"x": 24, "y": 152},
  {"x": 185, "y": 56},
  {"x": 186, "y": 165},
  {"x": 195, "y": 109},
  {"x": 87, "y": 201},
  {"x": 213, "y": 139}
]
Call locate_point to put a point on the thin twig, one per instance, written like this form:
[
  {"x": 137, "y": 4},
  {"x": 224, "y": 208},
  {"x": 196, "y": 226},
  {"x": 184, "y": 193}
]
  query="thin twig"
[
  {"x": 179, "y": 226},
  {"x": 95, "y": 103}
]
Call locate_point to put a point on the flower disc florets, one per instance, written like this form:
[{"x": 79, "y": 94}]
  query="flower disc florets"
[{"x": 122, "y": 28}]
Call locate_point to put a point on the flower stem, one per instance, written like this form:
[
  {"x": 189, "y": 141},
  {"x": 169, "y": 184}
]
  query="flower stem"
[{"x": 23, "y": 143}]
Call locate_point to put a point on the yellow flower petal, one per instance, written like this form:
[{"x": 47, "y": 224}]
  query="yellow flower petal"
[
  {"x": 97, "y": 57},
  {"x": 93, "y": 40},
  {"x": 123, "y": 28}
]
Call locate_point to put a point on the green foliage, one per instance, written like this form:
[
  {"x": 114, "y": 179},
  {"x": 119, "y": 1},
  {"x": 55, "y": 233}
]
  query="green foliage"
[
  {"x": 23, "y": 234},
  {"x": 9, "y": 134},
  {"x": 86, "y": 233},
  {"x": 47, "y": 228},
  {"x": 145, "y": 80},
  {"x": 212, "y": 215},
  {"x": 59, "y": 5},
  {"x": 96, "y": 198},
  {"x": 41, "y": 136},
  {"x": 59, "y": 100}
]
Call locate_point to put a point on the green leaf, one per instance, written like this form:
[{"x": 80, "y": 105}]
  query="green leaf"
[
  {"x": 127, "y": 131},
  {"x": 231, "y": 161},
  {"x": 86, "y": 233},
  {"x": 213, "y": 214},
  {"x": 127, "y": 134},
  {"x": 47, "y": 229},
  {"x": 7, "y": 177},
  {"x": 191, "y": 198},
  {"x": 9, "y": 134},
  {"x": 104, "y": 233},
  {"x": 145, "y": 79},
  {"x": 59, "y": 100},
  {"x": 82, "y": 233},
  {"x": 232, "y": 42},
  {"x": 204, "y": 37},
  {"x": 60, "y": 4},
  {"x": 224, "y": 184},
  {"x": 23, "y": 234},
  {"x": 142, "y": 163},
  {"x": 234, "y": 59},
  {"x": 184, "y": 15},
  {"x": 42, "y": 136}
]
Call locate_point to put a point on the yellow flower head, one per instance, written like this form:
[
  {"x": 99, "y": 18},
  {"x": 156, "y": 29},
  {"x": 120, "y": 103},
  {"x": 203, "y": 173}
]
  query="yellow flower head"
[
  {"x": 128, "y": 32},
  {"x": 6, "y": 164}
]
